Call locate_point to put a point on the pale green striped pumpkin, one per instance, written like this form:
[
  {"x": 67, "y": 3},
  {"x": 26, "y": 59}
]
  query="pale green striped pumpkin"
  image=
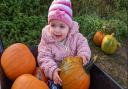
[{"x": 109, "y": 44}]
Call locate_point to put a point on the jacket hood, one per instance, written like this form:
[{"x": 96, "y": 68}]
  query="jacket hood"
[{"x": 46, "y": 36}]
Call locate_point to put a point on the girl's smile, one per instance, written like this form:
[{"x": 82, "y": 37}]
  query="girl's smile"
[{"x": 56, "y": 36}]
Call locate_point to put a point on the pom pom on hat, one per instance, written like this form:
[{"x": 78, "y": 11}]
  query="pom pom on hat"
[{"x": 61, "y": 10}]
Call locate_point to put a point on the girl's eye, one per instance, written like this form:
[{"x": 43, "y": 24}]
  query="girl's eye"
[
  {"x": 52, "y": 25},
  {"x": 61, "y": 26}
]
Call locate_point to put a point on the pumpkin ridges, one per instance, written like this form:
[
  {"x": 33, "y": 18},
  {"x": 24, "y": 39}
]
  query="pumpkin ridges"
[
  {"x": 73, "y": 75},
  {"x": 98, "y": 37},
  {"x": 85, "y": 82},
  {"x": 109, "y": 44},
  {"x": 70, "y": 78},
  {"x": 27, "y": 81},
  {"x": 69, "y": 83},
  {"x": 65, "y": 70},
  {"x": 17, "y": 59},
  {"x": 16, "y": 69}
]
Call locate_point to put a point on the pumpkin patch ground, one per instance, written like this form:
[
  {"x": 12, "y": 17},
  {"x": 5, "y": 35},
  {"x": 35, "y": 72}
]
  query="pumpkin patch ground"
[{"x": 116, "y": 65}]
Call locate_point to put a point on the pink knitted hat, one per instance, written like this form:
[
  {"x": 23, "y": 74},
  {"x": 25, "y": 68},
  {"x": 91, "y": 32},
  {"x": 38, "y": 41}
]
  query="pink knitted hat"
[{"x": 61, "y": 10}]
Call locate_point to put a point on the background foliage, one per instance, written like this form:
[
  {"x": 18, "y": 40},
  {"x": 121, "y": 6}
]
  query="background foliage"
[{"x": 23, "y": 20}]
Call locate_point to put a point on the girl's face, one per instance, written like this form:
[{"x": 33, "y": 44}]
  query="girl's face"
[{"x": 59, "y": 30}]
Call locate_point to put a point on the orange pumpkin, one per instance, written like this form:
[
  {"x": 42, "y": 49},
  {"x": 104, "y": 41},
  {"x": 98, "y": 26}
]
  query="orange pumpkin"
[
  {"x": 98, "y": 37},
  {"x": 16, "y": 60},
  {"x": 39, "y": 73},
  {"x": 73, "y": 74},
  {"x": 27, "y": 81}
]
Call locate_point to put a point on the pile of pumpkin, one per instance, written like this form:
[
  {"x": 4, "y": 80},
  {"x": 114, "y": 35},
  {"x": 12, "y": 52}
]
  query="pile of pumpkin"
[
  {"x": 19, "y": 65},
  {"x": 108, "y": 43}
]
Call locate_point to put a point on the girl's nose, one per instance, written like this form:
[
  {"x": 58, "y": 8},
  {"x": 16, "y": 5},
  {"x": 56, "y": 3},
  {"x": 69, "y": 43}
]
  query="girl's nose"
[{"x": 57, "y": 29}]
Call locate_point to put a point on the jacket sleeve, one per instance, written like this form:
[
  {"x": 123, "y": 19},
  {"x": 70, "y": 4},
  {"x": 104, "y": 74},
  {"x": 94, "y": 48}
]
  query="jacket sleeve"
[
  {"x": 45, "y": 59},
  {"x": 83, "y": 48}
]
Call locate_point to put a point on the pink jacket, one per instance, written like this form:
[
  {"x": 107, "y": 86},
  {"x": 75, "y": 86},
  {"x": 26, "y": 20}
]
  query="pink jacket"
[{"x": 51, "y": 53}]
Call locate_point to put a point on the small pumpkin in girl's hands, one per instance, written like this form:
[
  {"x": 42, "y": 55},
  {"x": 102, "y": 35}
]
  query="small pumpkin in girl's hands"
[
  {"x": 73, "y": 74},
  {"x": 98, "y": 37},
  {"x": 28, "y": 81},
  {"x": 109, "y": 44},
  {"x": 16, "y": 60},
  {"x": 39, "y": 73}
]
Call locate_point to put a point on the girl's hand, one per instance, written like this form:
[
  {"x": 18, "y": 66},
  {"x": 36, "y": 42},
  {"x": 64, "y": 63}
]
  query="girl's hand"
[
  {"x": 84, "y": 60},
  {"x": 56, "y": 77}
]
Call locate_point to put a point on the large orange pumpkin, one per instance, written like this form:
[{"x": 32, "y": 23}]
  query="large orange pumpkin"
[
  {"x": 73, "y": 74},
  {"x": 16, "y": 60},
  {"x": 98, "y": 37},
  {"x": 27, "y": 81},
  {"x": 39, "y": 73}
]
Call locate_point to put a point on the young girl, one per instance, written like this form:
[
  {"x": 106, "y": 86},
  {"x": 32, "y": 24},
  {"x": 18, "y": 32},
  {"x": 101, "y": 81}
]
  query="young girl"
[{"x": 60, "y": 39}]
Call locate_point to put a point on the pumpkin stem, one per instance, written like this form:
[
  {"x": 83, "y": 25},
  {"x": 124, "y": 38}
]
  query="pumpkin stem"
[
  {"x": 118, "y": 44},
  {"x": 90, "y": 63},
  {"x": 112, "y": 34}
]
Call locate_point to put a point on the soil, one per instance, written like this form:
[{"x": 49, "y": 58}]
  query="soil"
[{"x": 115, "y": 65}]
